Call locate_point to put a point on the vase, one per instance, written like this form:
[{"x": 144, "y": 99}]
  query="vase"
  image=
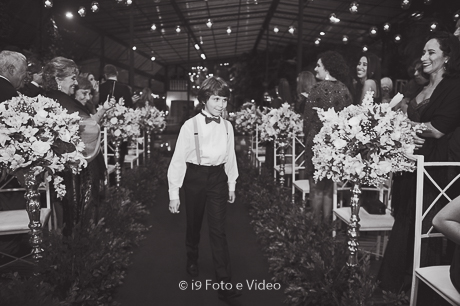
[
  {"x": 353, "y": 227},
  {"x": 282, "y": 145},
  {"x": 117, "y": 153},
  {"x": 148, "y": 133},
  {"x": 32, "y": 196}
]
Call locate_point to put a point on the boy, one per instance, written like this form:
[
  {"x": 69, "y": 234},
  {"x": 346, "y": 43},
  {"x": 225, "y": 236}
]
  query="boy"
[{"x": 204, "y": 164}]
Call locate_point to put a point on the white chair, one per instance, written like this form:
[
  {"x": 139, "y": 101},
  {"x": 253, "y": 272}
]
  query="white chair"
[
  {"x": 105, "y": 150},
  {"x": 13, "y": 222},
  {"x": 298, "y": 163},
  {"x": 135, "y": 150},
  {"x": 260, "y": 151},
  {"x": 436, "y": 277},
  {"x": 287, "y": 159},
  {"x": 382, "y": 224}
]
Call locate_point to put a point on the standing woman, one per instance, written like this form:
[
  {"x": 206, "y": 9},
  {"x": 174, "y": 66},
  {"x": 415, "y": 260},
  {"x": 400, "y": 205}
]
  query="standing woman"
[
  {"x": 369, "y": 74},
  {"x": 59, "y": 82},
  {"x": 145, "y": 99},
  {"x": 305, "y": 82},
  {"x": 204, "y": 165},
  {"x": 332, "y": 73},
  {"x": 437, "y": 105}
]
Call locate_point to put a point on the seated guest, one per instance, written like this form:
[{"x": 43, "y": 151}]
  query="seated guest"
[
  {"x": 94, "y": 101},
  {"x": 83, "y": 93},
  {"x": 447, "y": 221},
  {"x": 386, "y": 85}
]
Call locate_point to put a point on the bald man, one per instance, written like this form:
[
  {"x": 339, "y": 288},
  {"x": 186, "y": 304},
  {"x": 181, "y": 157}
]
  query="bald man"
[{"x": 13, "y": 70}]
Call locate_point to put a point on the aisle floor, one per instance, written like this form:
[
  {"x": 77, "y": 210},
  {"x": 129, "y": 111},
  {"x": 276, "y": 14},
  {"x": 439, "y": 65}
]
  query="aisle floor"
[{"x": 159, "y": 263}]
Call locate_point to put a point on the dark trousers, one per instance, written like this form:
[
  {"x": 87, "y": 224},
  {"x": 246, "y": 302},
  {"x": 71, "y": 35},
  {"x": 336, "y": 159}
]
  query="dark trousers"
[{"x": 206, "y": 188}]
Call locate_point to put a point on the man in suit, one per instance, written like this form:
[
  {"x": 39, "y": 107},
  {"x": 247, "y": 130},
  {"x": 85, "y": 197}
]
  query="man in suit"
[
  {"x": 13, "y": 70},
  {"x": 113, "y": 87},
  {"x": 35, "y": 71}
]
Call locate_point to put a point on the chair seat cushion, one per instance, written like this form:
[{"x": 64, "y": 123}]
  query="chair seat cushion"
[
  {"x": 261, "y": 159},
  {"x": 302, "y": 185},
  {"x": 17, "y": 221},
  {"x": 438, "y": 278},
  {"x": 367, "y": 221}
]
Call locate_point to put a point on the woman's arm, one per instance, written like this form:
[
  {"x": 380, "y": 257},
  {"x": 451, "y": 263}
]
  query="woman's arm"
[
  {"x": 101, "y": 110},
  {"x": 447, "y": 221},
  {"x": 368, "y": 85}
]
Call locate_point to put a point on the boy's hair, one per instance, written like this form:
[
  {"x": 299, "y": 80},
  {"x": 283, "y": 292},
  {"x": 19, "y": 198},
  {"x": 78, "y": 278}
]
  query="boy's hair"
[{"x": 213, "y": 86}]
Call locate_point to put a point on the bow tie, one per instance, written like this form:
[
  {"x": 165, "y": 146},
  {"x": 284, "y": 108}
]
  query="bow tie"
[{"x": 211, "y": 119}]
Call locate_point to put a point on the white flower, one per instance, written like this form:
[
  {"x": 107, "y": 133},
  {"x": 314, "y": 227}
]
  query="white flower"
[
  {"x": 396, "y": 99},
  {"x": 40, "y": 147}
]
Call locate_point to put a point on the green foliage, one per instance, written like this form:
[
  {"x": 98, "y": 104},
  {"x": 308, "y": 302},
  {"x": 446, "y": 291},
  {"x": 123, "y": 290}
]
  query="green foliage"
[
  {"x": 302, "y": 253},
  {"x": 85, "y": 267}
]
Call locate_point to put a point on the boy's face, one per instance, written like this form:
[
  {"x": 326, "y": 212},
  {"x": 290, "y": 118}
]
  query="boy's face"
[{"x": 216, "y": 105}]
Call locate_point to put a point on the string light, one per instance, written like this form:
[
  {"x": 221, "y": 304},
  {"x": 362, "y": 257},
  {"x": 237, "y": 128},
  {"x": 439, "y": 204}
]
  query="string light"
[
  {"x": 322, "y": 33},
  {"x": 134, "y": 48},
  {"x": 365, "y": 48},
  {"x": 291, "y": 30},
  {"x": 373, "y": 31},
  {"x": 427, "y": 2},
  {"x": 209, "y": 23},
  {"x": 197, "y": 46},
  {"x": 82, "y": 11},
  {"x": 433, "y": 26},
  {"x": 354, "y": 7},
  {"x": 163, "y": 31},
  {"x": 119, "y": 1},
  {"x": 386, "y": 27},
  {"x": 405, "y": 4},
  {"x": 345, "y": 39},
  {"x": 129, "y": 2},
  {"x": 69, "y": 15},
  {"x": 153, "y": 27},
  {"x": 416, "y": 15},
  {"x": 333, "y": 18},
  {"x": 456, "y": 15},
  {"x": 397, "y": 38},
  {"x": 229, "y": 30},
  {"x": 48, "y": 3},
  {"x": 153, "y": 58},
  {"x": 317, "y": 41},
  {"x": 178, "y": 29},
  {"x": 203, "y": 56},
  {"x": 276, "y": 29},
  {"x": 94, "y": 6}
]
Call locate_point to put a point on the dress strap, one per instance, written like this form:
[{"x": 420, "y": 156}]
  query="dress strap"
[{"x": 197, "y": 141}]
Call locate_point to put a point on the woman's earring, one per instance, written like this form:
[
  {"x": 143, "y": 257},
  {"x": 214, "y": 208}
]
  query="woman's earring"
[{"x": 59, "y": 87}]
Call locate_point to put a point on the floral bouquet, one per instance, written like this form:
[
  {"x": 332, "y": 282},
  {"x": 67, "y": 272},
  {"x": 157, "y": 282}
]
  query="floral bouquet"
[
  {"x": 37, "y": 135},
  {"x": 280, "y": 123},
  {"x": 363, "y": 143},
  {"x": 150, "y": 118},
  {"x": 121, "y": 122},
  {"x": 246, "y": 120}
]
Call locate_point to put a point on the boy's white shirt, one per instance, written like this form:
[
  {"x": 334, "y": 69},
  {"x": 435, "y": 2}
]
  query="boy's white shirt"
[{"x": 213, "y": 147}]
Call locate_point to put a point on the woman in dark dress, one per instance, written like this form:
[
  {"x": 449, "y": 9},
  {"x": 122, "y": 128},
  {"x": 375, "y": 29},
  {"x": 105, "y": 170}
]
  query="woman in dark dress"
[
  {"x": 438, "y": 107},
  {"x": 60, "y": 80}
]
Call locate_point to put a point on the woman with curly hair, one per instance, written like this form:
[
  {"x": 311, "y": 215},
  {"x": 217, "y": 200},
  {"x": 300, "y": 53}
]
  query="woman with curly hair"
[{"x": 331, "y": 91}]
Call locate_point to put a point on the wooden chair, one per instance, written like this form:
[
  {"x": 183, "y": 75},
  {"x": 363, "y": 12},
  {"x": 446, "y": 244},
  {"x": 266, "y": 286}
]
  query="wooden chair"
[
  {"x": 382, "y": 224},
  {"x": 436, "y": 277},
  {"x": 298, "y": 163}
]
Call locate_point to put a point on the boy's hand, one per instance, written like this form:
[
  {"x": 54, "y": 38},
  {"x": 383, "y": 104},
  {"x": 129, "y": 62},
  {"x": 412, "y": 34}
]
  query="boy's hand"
[{"x": 231, "y": 196}]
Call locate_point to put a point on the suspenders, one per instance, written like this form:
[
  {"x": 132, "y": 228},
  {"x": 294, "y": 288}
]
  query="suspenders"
[{"x": 197, "y": 140}]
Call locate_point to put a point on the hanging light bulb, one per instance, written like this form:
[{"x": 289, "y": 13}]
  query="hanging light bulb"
[
  {"x": 345, "y": 39},
  {"x": 456, "y": 15},
  {"x": 178, "y": 29},
  {"x": 134, "y": 48},
  {"x": 163, "y": 31},
  {"x": 153, "y": 58},
  {"x": 119, "y": 1},
  {"x": 153, "y": 27},
  {"x": 333, "y": 18},
  {"x": 354, "y": 7},
  {"x": 229, "y": 30},
  {"x": 209, "y": 23},
  {"x": 82, "y": 11},
  {"x": 48, "y": 3},
  {"x": 433, "y": 26},
  {"x": 317, "y": 41},
  {"x": 197, "y": 46},
  {"x": 386, "y": 27},
  {"x": 276, "y": 29},
  {"x": 373, "y": 31},
  {"x": 427, "y": 2},
  {"x": 322, "y": 33},
  {"x": 291, "y": 30},
  {"x": 129, "y": 2},
  {"x": 94, "y": 6},
  {"x": 397, "y": 38},
  {"x": 365, "y": 48},
  {"x": 203, "y": 56},
  {"x": 405, "y": 4},
  {"x": 69, "y": 15},
  {"x": 201, "y": 40}
]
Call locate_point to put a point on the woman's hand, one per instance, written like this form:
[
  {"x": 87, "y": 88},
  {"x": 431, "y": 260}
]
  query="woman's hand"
[
  {"x": 108, "y": 104},
  {"x": 231, "y": 196},
  {"x": 174, "y": 206}
]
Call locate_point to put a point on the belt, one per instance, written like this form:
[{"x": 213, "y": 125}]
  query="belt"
[{"x": 191, "y": 165}]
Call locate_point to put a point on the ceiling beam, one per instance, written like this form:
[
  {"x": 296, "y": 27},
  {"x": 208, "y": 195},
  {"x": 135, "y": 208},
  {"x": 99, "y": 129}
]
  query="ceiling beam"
[{"x": 269, "y": 16}]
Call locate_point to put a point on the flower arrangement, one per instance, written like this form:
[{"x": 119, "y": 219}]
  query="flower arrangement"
[
  {"x": 37, "y": 135},
  {"x": 150, "y": 118},
  {"x": 247, "y": 119},
  {"x": 280, "y": 123},
  {"x": 121, "y": 122},
  {"x": 363, "y": 143}
]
